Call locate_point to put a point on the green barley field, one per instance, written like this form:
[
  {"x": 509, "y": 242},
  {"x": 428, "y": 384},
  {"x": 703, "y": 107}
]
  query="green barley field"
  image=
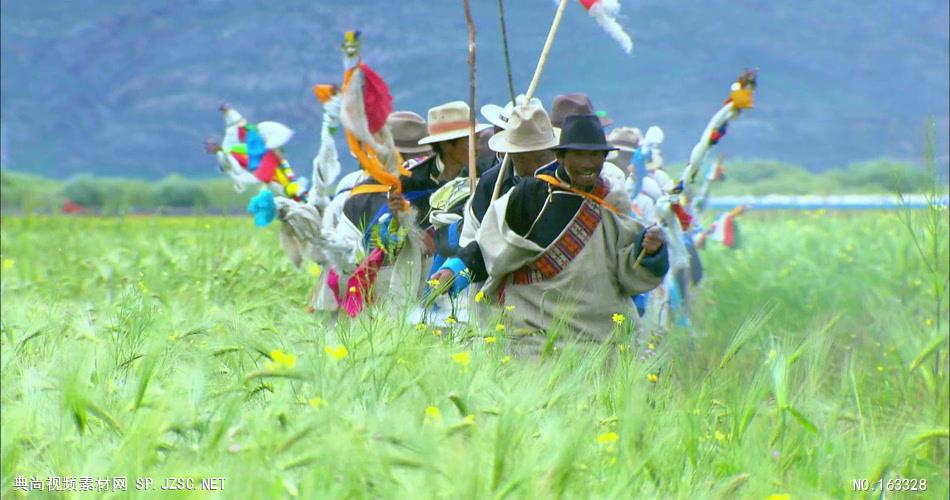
[{"x": 181, "y": 348}]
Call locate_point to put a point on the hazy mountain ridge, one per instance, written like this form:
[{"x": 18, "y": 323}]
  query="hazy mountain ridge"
[{"x": 129, "y": 89}]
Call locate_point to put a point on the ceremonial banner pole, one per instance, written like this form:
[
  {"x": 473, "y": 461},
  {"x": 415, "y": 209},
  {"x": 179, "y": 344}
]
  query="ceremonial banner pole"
[
  {"x": 472, "y": 139},
  {"x": 531, "y": 88}
]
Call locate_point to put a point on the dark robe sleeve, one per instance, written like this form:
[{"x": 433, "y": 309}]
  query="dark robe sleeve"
[{"x": 659, "y": 263}]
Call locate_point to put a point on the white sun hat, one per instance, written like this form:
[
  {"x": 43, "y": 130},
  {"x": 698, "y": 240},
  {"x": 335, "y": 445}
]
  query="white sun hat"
[{"x": 529, "y": 129}]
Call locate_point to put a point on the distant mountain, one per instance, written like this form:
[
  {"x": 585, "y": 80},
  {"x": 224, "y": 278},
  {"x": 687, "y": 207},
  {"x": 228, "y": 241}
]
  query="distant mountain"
[{"x": 131, "y": 88}]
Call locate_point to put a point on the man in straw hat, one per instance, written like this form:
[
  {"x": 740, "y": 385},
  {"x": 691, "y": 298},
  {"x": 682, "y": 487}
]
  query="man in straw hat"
[
  {"x": 387, "y": 227},
  {"x": 560, "y": 250}
]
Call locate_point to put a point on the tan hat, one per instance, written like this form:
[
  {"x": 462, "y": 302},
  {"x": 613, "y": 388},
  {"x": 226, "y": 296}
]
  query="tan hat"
[
  {"x": 529, "y": 129},
  {"x": 407, "y": 128},
  {"x": 449, "y": 121},
  {"x": 625, "y": 138}
]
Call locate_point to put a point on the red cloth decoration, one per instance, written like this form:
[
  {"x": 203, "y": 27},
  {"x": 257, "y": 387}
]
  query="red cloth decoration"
[
  {"x": 377, "y": 100},
  {"x": 359, "y": 285},
  {"x": 684, "y": 217},
  {"x": 267, "y": 167}
]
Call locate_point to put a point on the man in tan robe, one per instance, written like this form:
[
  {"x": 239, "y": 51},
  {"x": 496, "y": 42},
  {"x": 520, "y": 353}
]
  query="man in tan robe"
[{"x": 562, "y": 250}]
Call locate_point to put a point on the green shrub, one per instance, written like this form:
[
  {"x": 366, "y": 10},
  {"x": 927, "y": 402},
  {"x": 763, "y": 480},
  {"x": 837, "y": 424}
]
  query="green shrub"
[{"x": 175, "y": 191}]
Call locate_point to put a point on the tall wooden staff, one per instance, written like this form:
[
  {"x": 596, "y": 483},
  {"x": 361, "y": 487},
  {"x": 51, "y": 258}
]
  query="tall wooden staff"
[
  {"x": 531, "y": 88},
  {"x": 472, "y": 139}
]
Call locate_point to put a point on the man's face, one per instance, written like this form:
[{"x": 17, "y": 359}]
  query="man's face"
[
  {"x": 455, "y": 151},
  {"x": 583, "y": 167}
]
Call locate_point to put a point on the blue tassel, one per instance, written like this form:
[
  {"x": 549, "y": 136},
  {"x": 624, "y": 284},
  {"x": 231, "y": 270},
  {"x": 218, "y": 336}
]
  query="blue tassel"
[{"x": 263, "y": 208}]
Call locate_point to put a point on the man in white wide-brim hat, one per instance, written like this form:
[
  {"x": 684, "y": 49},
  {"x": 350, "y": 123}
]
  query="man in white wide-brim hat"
[{"x": 393, "y": 229}]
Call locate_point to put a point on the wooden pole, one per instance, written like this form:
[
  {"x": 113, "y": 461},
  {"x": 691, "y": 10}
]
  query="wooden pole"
[
  {"x": 503, "y": 171},
  {"x": 504, "y": 45},
  {"x": 472, "y": 138}
]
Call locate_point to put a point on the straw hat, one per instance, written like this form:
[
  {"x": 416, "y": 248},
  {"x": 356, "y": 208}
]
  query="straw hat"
[
  {"x": 407, "y": 128},
  {"x": 529, "y": 129},
  {"x": 449, "y": 121}
]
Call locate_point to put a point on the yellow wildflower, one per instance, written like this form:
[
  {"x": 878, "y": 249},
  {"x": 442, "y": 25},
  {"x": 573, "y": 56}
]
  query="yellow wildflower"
[
  {"x": 437, "y": 332},
  {"x": 433, "y": 282},
  {"x": 506, "y": 359},
  {"x": 314, "y": 269},
  {"x": 720, "y": 436},
  {"x": 499, "y": 327},
  {"x": 618, "y": 318},
  {"x": 653, "y": 378},
  {"x": 651, "y": 347},
  {"x": 608, "y": 438},
  {"x": 880, "y": 368},
  {"x": 479, "y": 296},
  {"x": 489, "y": 340},
  {"x": 462, "y": 358},
  {"x": 317, "y": 402},
  {"x": 433, "y": 414},
  {"x": 339, "y": 352},
  {"x": 281, "y": 359},
  {"x": 510, "y": 308},
  {"x": 779, "y": 496},
  {"x": 352, "y": 289},
  {"x": 928, "y": 322},
  {"x": 421, "y": 327},
  {"x": 8, "y": 263},
  {"x": 450, "y": 320}
]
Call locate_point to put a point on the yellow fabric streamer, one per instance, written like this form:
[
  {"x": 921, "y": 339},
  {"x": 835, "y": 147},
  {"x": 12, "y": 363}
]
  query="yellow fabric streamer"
[
  {"x": 370, "y": 188},
  {"x": 592, "y": 197}
]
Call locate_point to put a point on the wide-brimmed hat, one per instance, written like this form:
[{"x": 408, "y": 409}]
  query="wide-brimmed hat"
[
  {"x": 584, "y": 133},
  {"x": 407, "y": 128},
  {"x": 498, "y": 115},
  {"x": 625, "y": 138},
  {"x": 529, "y": 129},
  {"x": 577, "y": 103},
  {"x": 449, "y": 121}
]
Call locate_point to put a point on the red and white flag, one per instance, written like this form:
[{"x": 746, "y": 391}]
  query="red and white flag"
[{"x": 605, "y": 13}]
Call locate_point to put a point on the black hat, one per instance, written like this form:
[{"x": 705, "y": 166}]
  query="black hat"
[{"x": 583, "y": 132}]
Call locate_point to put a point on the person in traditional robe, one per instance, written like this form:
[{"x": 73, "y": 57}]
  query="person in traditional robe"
[
  {"x": 560, "y": 251},
  {"x": 391, "y": 231}
]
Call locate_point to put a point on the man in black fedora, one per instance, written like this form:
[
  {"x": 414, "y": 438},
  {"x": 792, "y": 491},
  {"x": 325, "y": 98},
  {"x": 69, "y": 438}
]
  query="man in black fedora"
[{"x": 561, "y": 249}]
